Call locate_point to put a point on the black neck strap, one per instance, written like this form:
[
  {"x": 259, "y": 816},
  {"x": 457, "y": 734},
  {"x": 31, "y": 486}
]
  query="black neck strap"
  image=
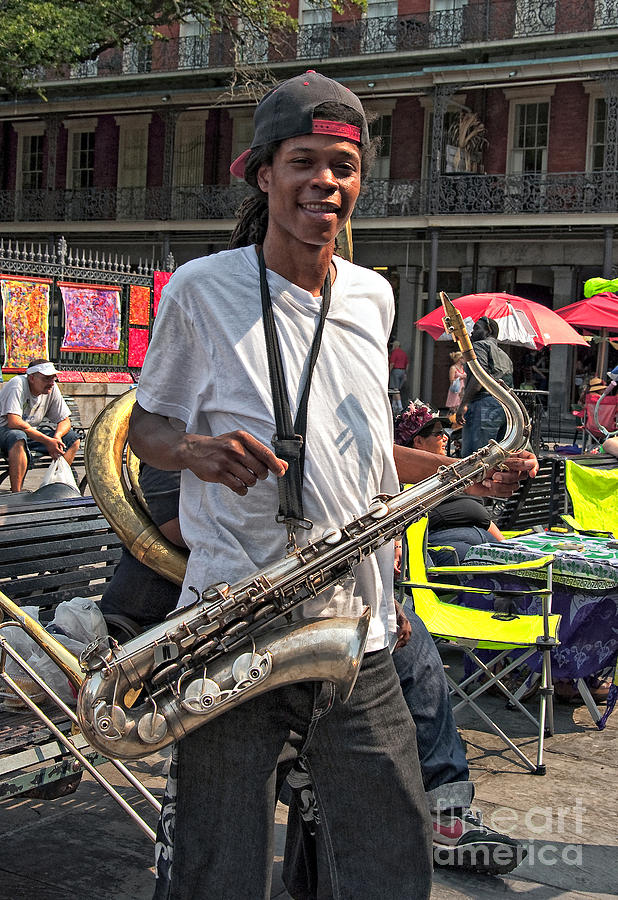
[{"x": 289, "y": 439}]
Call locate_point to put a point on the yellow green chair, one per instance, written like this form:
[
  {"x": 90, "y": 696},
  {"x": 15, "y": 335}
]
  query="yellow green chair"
[
  {"x": 471, "y": 630},
  {"x": 594, "y": 497}
]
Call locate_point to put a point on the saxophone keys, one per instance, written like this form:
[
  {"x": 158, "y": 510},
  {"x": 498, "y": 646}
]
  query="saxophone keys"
[
  {"x": 331, "y": 536},
  {"x": 202, "y": 693},
  {"x": 247, "y": 667},
  {"x": 152, "y": 728},
  {"x": 378, "y": 509},
  {"x": 109, "y": 721}
]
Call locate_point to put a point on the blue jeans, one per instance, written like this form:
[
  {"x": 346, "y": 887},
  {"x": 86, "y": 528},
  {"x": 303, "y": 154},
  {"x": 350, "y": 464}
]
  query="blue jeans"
[
  {"x": 374, "y": 839},
  {"x": 442, "y": 756},
  {"x": 485, "y": 419},
  {"x": 10, "y": 436},
  {"x": 444, "y": 767},
  {"x": 460, "y": 539}
]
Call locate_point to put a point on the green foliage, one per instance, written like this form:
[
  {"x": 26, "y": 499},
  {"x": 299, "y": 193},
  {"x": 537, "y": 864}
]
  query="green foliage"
[{"x": 51, "y": 33}]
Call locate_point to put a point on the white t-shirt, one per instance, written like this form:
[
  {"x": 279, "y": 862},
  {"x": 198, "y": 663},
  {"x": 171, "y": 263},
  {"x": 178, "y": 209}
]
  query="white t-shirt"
[
  {"x": 207, "y": 366},
  {"x": 15, "y": 398}
]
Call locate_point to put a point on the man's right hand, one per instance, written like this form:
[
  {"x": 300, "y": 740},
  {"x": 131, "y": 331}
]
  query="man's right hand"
[
  {"x": 55, "y": 447},
  {"x": 236, "y": 459}
]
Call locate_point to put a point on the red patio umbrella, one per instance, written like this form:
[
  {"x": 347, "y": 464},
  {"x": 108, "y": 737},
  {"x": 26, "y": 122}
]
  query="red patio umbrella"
[
  {"x": 598, "y": 312},
  {"x": 520, "y": 321}
]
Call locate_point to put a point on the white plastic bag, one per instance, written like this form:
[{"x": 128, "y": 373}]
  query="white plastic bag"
[
  {"x": 76, "y": 623},
  {"x": 60, "y": 472}
]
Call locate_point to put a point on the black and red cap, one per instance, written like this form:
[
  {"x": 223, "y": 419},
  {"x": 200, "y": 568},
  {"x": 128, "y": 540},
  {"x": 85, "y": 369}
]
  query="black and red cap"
[{"x": 286, "y": 111}]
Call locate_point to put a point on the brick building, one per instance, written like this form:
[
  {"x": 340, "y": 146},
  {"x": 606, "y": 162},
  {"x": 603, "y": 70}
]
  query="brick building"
[{"x": 497, "y": 169}]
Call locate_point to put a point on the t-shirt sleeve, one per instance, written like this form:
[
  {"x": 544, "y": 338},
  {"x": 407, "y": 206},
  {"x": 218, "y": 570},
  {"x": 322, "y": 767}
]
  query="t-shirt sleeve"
[
  {"x": 173, "y": 371},
  {"x": 12, "y": 398}
]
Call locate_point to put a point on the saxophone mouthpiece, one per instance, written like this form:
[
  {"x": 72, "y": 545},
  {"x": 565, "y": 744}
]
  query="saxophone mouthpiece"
[{"x": 454, "y": 325}]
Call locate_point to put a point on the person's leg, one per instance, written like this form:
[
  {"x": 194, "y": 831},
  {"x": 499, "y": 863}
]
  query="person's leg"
[
  {"x": 460, "y": 539},
  {"x": 71, "y": 442},
  {"x": 373, "y": 834},
  {"x": 14, "y": 446},
  {"x": 425, "y": 690},
  {"x": 215, "y": 834}
]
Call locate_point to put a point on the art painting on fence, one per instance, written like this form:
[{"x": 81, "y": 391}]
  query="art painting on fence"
[
  {"x": 25, "y": 315},
  {"x": 92, "y": 317}
]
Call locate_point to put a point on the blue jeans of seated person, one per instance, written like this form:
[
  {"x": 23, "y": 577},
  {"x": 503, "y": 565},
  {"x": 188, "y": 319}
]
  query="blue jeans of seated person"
[
  {"x": 216, "y": 831},
  {"x": 10, "y": 436},
  {"x": 460, "y": 539},
  {"x": 444, "y": 767},
  {"x": 485, "y": 420}
]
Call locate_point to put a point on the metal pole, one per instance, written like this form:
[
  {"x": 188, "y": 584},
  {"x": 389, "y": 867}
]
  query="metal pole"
[{"x": 432, "y": 290}]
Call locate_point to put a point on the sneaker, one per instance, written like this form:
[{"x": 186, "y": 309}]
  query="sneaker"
[{"x": 464, "y": 842}]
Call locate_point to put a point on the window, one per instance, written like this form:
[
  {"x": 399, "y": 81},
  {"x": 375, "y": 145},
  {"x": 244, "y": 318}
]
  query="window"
[
  {"x": 381, "y": 127},
  {"x": 447, "y": 154},
  {"x": 132, "y": 162},
  {"x": 380, "y": 34},
  {"x": 605, "y": 14},
  {"x": 253, "y": 43},
  {"x": 242, "y": 133},
  {"x": 314, "y": 20},
  {"x": 189, "y": 150},
  {"x": 80, "y": 162},
  {"x": 447, "y": 22},
  {"x": 530, "y": 138},
  {"x": 597, "y": 138},
  {"x": 193, "y": 44},
  {"x": 136, "y": 58},
  {"x": 534, "y": 17},
  {"x": 32, "y": 162}
]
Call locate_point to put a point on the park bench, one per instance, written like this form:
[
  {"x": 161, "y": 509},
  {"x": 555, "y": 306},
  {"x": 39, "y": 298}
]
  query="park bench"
[
  {"x": 49, "y": 552},
  {"x": 42, "y": 461}
]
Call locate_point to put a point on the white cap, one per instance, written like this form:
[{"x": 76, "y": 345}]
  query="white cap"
[{"x": 44, "y": 368}]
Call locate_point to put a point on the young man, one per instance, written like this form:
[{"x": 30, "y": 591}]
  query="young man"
[
  {"x": 24, "y": 402},
  {"x": 207, "y": 367}
]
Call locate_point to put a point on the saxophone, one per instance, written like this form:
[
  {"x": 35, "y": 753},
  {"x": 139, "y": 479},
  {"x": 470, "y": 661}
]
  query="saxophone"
[{"x": 224, "y": 649}]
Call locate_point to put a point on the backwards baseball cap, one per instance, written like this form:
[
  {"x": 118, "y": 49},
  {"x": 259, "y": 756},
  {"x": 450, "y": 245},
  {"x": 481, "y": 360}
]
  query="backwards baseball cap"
[
  {"x": 44, "y": 368},
  {"x": 287, "y": 111}
]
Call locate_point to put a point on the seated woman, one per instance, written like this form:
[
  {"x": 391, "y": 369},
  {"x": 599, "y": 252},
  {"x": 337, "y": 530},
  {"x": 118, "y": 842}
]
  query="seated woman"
[{"x": 461, "y": 521}]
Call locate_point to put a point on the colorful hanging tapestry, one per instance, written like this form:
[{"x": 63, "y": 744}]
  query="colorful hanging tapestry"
[
  {"x": 160, "y": 280},
  {"x": 92, "y": 317},
  {"x": 70, "y": 376},
  {"x": 138, "y": 344},
  {"x": 120, "y": 377},
  {"x": 139, "y": 305},
  {"x": 25, "y": 314}
]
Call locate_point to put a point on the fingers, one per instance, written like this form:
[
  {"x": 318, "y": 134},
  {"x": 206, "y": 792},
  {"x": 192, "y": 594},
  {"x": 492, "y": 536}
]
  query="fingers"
[{"x": 236, "y": 460}]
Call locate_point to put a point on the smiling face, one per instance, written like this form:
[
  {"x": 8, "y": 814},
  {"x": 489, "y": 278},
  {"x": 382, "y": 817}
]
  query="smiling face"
[{"x": 312, "y": 185}]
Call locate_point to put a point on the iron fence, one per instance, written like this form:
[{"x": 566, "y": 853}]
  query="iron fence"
[
  {"x": 476, "y": 22},
  {"x": 459, "y": 194}
]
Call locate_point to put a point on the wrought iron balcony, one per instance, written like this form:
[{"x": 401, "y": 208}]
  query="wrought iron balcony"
[
  {"x": 461, "y": 194},
  {"x": 479, "y": 21}
]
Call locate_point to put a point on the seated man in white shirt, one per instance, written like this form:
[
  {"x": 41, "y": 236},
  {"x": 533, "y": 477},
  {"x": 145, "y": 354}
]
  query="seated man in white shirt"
[{"x": 25, "y": 401}]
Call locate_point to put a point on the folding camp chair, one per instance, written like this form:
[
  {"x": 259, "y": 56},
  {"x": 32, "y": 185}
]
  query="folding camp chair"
[
  {"x": 598, "y": 421},
  {"x": 471, "y": 630},
  {"x": 594, "y": 498}
]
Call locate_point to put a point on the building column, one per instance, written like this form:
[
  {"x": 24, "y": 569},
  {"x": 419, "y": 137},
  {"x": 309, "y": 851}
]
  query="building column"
[
  {"x": 561, "y": 355},
  {"x": 408, "y": 311}
]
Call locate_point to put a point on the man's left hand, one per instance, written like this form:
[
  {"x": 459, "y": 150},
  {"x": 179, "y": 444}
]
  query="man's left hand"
[
  {"x": 503, "y": 482},
  {"x": 404, "y": 629}
]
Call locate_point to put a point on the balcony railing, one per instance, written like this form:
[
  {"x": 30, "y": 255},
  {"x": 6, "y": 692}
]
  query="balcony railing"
[
  {"x": 476, "y": 22},
  {"x": 471, "y": 195}
]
